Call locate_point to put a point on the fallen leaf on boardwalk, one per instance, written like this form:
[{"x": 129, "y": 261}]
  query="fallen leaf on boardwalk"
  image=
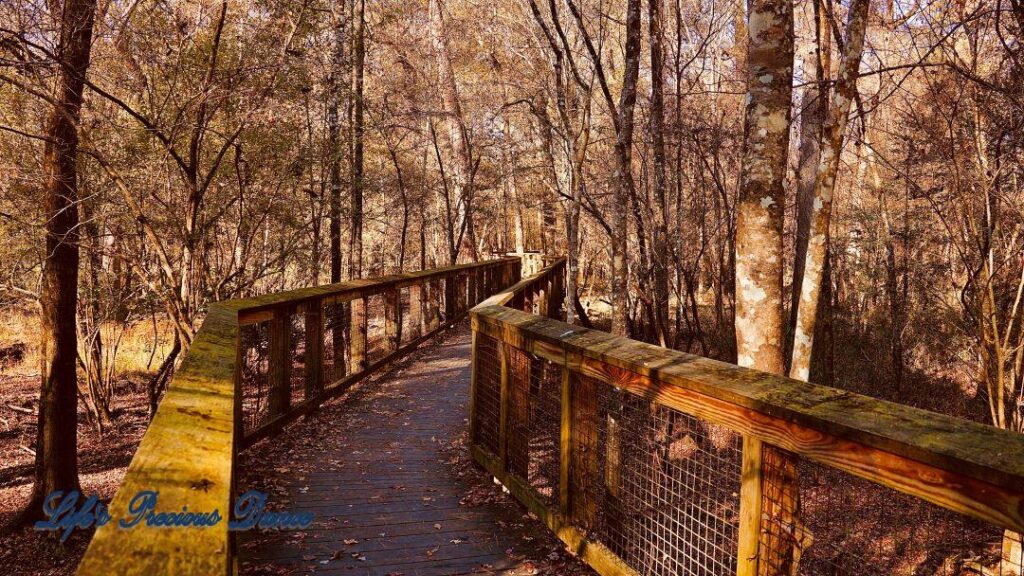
[
  {"x": 437, "y": 526},
  {"x": 431, "y": 552},
  {"x": 351, "y": 541}
]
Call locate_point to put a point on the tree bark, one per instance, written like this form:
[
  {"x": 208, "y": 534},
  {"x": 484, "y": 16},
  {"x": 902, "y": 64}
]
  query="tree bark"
[
  {"x": 815, "y": 56},
  {"x": 661, "y": 249},
  {"x": 832, "y": 147},
  {"x": 759, "y": 216},
  {"x": 458, "y": 136},
  {"x": 334, "y": 150},
  {"x": 56, "y": 464},
  {"x": 355, "y": 240},
  {"x": 625, "y": 188}
]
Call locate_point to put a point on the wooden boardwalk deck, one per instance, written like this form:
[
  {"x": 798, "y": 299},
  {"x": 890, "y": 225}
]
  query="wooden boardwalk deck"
[{"x": 387, "y": 476}]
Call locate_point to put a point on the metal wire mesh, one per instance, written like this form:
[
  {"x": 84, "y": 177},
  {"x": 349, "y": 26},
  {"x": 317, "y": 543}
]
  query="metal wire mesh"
[
  {"x": 658, "y": 487},
  {"x": 335, "y": 348},
  {"x": 297, "y": 354},
  {"x": 850, "y": 526},
  {"x": 487, "y": 398},
  {"x": 545, "y": 427},
  {"x": 376, "y": 341},
  {"x": 254, "y": 342}
]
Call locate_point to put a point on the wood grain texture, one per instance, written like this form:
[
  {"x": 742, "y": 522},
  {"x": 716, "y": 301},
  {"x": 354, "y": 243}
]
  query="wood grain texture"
[
  {"x": 967, "y": 467},
  {"x": 186, "y": 454}
]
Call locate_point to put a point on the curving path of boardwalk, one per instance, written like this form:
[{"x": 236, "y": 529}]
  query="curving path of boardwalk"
[{"x": 386, "y": 474}]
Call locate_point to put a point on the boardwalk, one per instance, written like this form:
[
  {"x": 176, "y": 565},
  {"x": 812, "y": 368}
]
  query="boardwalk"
[{"x": 387, "y": 476}]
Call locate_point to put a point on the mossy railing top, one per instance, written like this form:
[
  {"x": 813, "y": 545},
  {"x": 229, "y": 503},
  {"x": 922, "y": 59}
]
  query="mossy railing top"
[
  {"x": 644, "y": 459},
  {"x": 189, "y": 452}
]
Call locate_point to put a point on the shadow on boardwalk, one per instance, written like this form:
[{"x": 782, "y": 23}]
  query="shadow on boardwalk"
[{"x": 388, "y": 478}]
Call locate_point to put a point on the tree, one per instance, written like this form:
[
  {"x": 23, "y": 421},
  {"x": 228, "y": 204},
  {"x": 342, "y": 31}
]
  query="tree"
[
  {"x": 56, "y": 466},
  {"x": 821, "y": 213}
]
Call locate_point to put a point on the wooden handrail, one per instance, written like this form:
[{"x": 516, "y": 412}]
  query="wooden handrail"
[
  {"x": 966, "y": 467},
  {"x": 188, "y": 454}
]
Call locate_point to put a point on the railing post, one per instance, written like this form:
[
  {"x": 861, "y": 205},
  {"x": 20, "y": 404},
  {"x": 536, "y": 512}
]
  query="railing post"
[
  {"x": 449, "y": 296},
  {"x": 434, "y": 304},
  {"x": 357, "y": 335},
  {"x": 416, "y": 324},
  {"x": 565, "y": 445},
  {"x": 393, "y": 318},
  {"x": 472, "y": 297},
  {"x": 280, "y": 369},
  {"x": 314, "y": 348},
  {"x": 750, "y": 508},
  {"x": 771, "y": 537},
  {"x": 503, "y": 407},
  {"x": 473, "y": 376}
]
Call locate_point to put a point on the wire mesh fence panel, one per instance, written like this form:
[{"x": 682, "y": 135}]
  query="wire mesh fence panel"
[
  {"x": 545, "y": 428},
  {"x": 851, "y": 526},
  {"x": 297, "y": 354},
  {"x": 660, "y": 488},
  {"x": 255, "y": 375},
  {"x": 376, "y": 339},
  {"x": 588, "y": 458},
  {"x": 487, "y": 396},
  {"x": 518, "y": 413},
  {"x": 335, "y": 350}
]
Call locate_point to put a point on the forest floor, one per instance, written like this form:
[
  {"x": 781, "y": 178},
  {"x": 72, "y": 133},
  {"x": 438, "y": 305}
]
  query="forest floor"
[{"x": 102, "y": 460}]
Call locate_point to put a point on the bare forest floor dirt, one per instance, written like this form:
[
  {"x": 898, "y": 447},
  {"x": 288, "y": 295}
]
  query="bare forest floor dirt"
[{"x": 102, "y": 460}]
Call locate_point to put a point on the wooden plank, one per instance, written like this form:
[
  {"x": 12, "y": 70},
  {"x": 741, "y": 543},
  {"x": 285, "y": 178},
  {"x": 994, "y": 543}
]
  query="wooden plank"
[
  {"x": 565, "y": 441},
  {"x": 417, "y": 325},
  {"x": 358, "y": 326},
  {"x": 250, "y": 308},
  {"x": 966, "y": 467},
  {"x": 187, "y": 454},
  {"x": 314, "y": 326},
  {"x": 393, "y": 318},
  {"x": 750, "y": 509},
  {"x": 280, "y": 370}
]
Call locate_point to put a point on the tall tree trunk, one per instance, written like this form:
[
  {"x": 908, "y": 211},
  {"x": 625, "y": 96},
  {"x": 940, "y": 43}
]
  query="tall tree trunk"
[
  {"x": 334, "y": 145},
  {"x": 814, "y": 56},
  {"x": 832, "y": 147},
  {"x": 661, "y": 250},
  {"x": 56, "y": 465},
  {"x": 458, "y": 136},
  {"x": 760, "y": 328},
  {"x": 625, "y": 188},
  {"x": 355, "y": 240},
  {"x": 759, "y": 214}
]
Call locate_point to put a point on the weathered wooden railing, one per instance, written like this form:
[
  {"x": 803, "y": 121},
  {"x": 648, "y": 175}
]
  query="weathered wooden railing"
[
  {"x": 650, "y": 461},
  {"x": 255, "y": 365}
]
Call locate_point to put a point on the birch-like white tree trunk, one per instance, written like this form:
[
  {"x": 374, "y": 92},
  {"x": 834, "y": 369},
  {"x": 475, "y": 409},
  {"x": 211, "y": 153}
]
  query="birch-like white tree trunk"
[{"x": 831, "y": 149}]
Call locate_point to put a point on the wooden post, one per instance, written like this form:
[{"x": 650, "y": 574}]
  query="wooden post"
[
  {"x": 584, "y": 450},
  {"x": 357, "y": 335},
  {"x": 472, "y": 297},
  {"x": 517, "y": 445},
  {"x": 449, "y": 296},
  {"x": 750, "y": 508},
  {"x": 314, "y": 348},
  {"x": 393, "y": 318},
  {"x": 279, "y": 336},
  {"x": 473, "y": 376},
  {"x": 417, "y": 327},
  {"x": 503, "y": 408},
  {"x": 772, "y": 537},
  {"x": 434, "y": 302},
  {"x": 566, "y": 434}
]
